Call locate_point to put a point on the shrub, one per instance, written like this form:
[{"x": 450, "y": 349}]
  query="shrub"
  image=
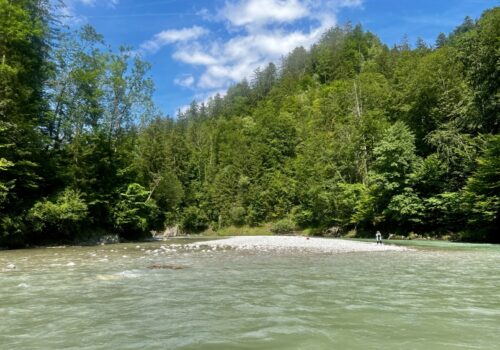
[
  {"x": 304, "y": 217},
  {"x": 237, "y": 216},
  {"x": 134, "y": 213},
  {"x": 254, "y": 216},
  {"x": 283, "y": 226},
  {"x": 194, "y": 220},
  {"x": 62, "y": 216}
]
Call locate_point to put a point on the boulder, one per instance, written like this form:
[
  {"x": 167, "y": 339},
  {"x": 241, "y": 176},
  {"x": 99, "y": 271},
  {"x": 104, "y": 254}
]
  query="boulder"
[
  {"x": 167, "y": 267},
  {"x": 333, "y": 231},
  {"x": 171, "y": 231},
  {"x": 109, "y": 239}
]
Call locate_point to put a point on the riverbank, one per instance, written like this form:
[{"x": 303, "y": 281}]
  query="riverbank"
[
  {"x": 281, "y": 243},
  {"x": 268, "y": 229},
  {"x": 244, "y": 231}
]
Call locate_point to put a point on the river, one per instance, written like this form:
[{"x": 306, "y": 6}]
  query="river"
[{"x": 440, "y": 296}]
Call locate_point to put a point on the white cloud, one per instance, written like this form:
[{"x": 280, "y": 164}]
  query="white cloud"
[
  {"x": 240, "y": 56},
  {"x": 267, "y": 30},
  {"x": 257, "y": 32},
  {"x": 194, "y": 57},
  {"x": 173, "y": 36},
  {"x": 260, "y": 12},
  {"x": 185, "y": 81}
]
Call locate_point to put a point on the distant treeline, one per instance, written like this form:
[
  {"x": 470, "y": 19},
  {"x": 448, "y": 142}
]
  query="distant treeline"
[{"x": 350, "y": 133}]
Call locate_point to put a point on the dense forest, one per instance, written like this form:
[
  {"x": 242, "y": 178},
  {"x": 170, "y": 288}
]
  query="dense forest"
[{"x": 349, "y": 133}]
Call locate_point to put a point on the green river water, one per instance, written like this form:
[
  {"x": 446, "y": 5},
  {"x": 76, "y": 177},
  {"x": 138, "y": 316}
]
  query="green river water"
[{"x": 440, "y": 296}]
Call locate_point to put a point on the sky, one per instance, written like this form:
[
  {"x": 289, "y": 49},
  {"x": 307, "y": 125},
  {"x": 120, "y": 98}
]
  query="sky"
[{"x": 199, "y": 48}]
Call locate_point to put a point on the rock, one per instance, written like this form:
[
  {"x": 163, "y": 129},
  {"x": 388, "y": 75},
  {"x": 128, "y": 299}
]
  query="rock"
[
  {"x": 172, "y": 231},
  {"x": 167, "y": 267},
  {"x": 291, "y": 243},
  {"x": 333, "y": 231},
  {"x": 109, "y": 239}
]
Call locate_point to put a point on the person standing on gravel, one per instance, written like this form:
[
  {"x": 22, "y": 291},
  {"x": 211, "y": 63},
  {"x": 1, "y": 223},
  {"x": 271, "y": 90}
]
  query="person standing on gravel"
[{"x": 378, "y": 236}]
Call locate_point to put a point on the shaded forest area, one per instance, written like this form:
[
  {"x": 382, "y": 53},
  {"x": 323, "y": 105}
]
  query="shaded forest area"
[{"x": 349, "y": 133}]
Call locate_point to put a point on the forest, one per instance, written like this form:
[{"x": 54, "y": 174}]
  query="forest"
[{"x": 349, "y": 133}]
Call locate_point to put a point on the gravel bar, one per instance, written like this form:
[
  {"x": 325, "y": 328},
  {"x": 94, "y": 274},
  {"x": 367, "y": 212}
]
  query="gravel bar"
[{"x": 327, "y": 245}]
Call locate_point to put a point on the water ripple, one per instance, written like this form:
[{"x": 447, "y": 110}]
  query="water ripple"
[{"x": 107, "y": 298}]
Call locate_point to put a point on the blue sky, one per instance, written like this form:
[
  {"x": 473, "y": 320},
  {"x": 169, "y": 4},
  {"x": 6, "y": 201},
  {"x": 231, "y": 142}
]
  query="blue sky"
[{"x": 198, "y": 48}]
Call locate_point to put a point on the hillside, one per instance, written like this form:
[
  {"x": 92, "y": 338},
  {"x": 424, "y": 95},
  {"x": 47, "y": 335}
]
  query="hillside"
[{"x": 350, "y": 133}]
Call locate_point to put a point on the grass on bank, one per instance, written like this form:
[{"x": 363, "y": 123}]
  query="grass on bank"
[
  {"x": 264, "y": 230},
  {"x": 287, "y": 226}
]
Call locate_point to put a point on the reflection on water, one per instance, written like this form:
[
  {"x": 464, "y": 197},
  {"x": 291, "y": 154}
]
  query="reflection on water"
[{"x": 110, "y": 297}]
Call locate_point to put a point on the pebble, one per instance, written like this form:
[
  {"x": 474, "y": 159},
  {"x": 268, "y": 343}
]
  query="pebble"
[{"x": 287, "y": 243}]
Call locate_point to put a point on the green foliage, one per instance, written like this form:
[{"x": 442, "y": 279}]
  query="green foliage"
[
  {"x": 478, "y": 48},
  {"x": 194, "y": 220},
  {"x": 395, "y": 158},
  {"x": 237, "y": 216},
  {"x": 241, "y": 230},
  {"x": 25, "y": 34},
  {"x": 4, "y": 186},
  {"x": 406, "y": 207},
  {"x": 64, "y": 217},
  {"x": 347, "y": 202},
  {"x": 134, "y": 212},
  {"x": 283, "y": 226},
  {"x": 445, "y": 211},
  {"x": 394, "y": 163},
  {"x": 305, "y": 217},
  {"x": 486, "y": 180},
  {"x": 482, "y": 192},
  {"x": 392, "y": 200},
  {"x": 349, "y": 133}
]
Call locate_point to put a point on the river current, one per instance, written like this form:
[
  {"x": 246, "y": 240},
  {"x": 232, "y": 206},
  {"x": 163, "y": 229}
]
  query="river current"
[{"x": 143, "y": 296}]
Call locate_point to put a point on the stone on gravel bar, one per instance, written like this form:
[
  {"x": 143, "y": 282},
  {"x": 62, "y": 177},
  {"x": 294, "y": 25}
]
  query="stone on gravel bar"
[{"x": 327, "y": 245}]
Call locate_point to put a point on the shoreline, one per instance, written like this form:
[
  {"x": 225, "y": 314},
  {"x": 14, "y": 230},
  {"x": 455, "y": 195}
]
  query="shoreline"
[
  {"x": 211, "y": 238},
  {"x": 289, "y": 243}
]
